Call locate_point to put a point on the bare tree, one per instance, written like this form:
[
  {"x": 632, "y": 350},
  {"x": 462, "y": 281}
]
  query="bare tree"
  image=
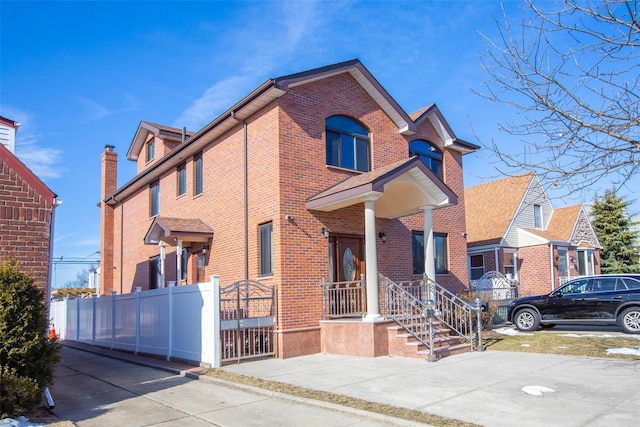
[{"x": 572, "y": 74}]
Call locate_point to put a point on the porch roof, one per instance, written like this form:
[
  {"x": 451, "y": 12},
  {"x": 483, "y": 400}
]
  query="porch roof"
[
  {"x": 401, "y": 189},
  {"x": 170, "y": 230}
]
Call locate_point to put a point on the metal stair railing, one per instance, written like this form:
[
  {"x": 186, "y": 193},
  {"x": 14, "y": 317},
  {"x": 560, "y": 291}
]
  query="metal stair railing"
[
  {"x": 454, "y": 312},
  {"x": 407, "y": 311}
]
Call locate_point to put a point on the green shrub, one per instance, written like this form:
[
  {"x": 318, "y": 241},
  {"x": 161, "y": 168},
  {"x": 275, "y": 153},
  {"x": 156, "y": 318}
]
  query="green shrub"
[{"x": 27, "y": 355}]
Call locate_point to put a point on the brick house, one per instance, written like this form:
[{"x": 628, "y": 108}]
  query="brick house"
[
  {"x": 27, "y": 212},
  {"x": 513, "y": 228},
  {"x": 311, "y": 176}
]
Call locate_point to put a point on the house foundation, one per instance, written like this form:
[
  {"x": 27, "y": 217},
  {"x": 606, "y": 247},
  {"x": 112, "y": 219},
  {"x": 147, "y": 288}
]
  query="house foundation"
[{"x": 355, "y": 337}]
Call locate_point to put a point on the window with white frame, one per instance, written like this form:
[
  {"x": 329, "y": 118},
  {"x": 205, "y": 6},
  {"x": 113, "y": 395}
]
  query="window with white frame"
[
  {"x": 347, "y": 144},
  {"x": 510, "y": 265},
  {"x": 150, "y": 150},
  {"x": 537, "y": 216},
  {"x": 476, "y": 266},
  {"x": 585, "y": 262}
]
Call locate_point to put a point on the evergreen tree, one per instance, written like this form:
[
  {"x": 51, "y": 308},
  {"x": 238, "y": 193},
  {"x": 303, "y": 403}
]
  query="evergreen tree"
[
  {"x": 27, "y": 355},
  {"x": 615, "y": 230}
]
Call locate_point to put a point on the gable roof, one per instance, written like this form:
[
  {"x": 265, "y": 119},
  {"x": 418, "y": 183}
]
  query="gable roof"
[
  {"x": 145, "y": 128},
  {"x": 270, "y": 91},
  {"x": 408, "y": 177},
  {"x": 563, "y": 222},
  {"x": 168, "y": 230},
  {"x": 26, "y": 174},
  {"x": 434, "y": 115},
  {"x": 491, "y": 207}
]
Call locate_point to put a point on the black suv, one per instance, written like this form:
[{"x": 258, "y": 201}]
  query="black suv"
[{"x": 610, "y": 299}]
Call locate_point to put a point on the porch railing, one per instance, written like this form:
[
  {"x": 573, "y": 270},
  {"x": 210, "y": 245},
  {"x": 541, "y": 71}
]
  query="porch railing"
[
  {"x": 408, "y": 310},
  {"x": 344, "y": 299}
]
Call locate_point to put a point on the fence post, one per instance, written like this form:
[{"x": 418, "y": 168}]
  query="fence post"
[
  {"x": 479, "y": 331},
  {"x": 93, "y": 320},
  {"x": 215, "y": 282},
  {"x": 170, "y": 343},
  {"x": 113, "y": 319},
  {"x": 138, "y": 289},
  {"x": 77, "y": 319}
]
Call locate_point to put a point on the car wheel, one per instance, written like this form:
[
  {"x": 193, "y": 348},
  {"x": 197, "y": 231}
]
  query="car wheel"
[
  {"x": 527, "y": 320},
  {"x": 630, "y": 320}
]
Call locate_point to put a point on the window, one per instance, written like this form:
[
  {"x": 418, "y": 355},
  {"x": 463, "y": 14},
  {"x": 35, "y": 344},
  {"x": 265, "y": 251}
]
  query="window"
[
  {"x": 150, "y": 149},
  {"x": 154, "y": 272},
  {"x": 200, "y": 267},
  {"x": 585, "y": 262},
  {"x": 537, "y": 216},
  {"x": 476, "y": 266},
  {"x": 266, "y": 249},
  {"x": 347, "y": 144},
  {"x": 182, "y": 179},
  {"x": 563, "y": 269},
  {"x": 510, "y": 266},
  {"x": 440, "y": 247},
  {"x": 154, "y": 198},
  {"x": 197, "y": 174},
  {"x": 442, "y": 263},
  {"x": 417, "y": 248},
  {"x": 428, "y": 154}
]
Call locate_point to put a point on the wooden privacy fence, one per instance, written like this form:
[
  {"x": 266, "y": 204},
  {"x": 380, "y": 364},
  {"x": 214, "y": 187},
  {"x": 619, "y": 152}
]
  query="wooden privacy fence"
[{"x": 174, "y": 322}]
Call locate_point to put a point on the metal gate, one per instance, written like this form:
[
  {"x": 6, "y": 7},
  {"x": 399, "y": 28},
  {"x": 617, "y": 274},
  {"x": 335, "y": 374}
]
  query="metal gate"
[{"x": 247, "y": 318}]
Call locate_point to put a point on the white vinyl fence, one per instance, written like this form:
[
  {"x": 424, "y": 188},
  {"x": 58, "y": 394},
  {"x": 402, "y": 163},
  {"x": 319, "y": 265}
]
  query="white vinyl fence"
[{"x": 174, "y": 322}]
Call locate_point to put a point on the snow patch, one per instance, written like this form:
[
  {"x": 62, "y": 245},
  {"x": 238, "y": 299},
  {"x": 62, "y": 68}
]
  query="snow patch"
[
  {"x": 509, "y": 331},
  {"x": 18, "y": 422},
  {"x": 630, "y": 351},
  {"x": 590, "y": 336},
  {"x": 526, "y": 345},
  {"x": 537, "y": 390}
]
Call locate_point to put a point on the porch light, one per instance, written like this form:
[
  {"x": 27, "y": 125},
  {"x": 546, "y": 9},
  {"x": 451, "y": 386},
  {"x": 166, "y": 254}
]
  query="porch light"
[
  {"x": 382, "y": 236},
  {"x": 325, "y": 232}
]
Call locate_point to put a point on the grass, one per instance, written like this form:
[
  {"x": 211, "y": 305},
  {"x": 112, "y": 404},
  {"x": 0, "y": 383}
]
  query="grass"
[
  {"x": 340, "y": 399},
  {"x": 555, "y": 342}
]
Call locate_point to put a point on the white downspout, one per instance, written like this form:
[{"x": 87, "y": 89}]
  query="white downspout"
[
  {"x": 163, "y": 255},
  {"x": 553, "y": 279},
  {"x": 179, "y": 263},
  {"x": 497, "y": 257}
]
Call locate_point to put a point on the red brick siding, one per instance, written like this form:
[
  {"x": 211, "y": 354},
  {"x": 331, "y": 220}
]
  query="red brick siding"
[{"x": 25, "y": 227}]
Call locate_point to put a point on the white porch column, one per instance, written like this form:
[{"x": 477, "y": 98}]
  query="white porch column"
[
  {"x": 163, "y": 255},
  {"x": 371, "y": 261},
  {"x": 429, "y": 256},
  {"x": 179, "y": 263}
]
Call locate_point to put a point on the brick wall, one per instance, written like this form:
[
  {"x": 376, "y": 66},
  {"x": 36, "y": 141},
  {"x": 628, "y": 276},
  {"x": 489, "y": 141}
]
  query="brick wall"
[{"x": 25, "y": 226}]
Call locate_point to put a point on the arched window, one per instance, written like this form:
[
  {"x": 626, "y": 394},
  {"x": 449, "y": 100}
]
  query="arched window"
[
  {"x": 347, "y": 144},
  {"x": 428, "y": 154}
]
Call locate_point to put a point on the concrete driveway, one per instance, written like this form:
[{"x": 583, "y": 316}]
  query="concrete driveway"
[{"x": 94, "y": 390}]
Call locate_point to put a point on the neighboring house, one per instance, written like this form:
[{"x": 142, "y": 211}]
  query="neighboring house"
[
  {"x": 513, "y": 228},
  {"x": 316, "y": 175},
  {"x": 27, "y": 208}
]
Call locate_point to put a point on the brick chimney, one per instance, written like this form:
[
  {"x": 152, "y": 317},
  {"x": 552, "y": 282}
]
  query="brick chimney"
[{"x": 109, "y": 186}]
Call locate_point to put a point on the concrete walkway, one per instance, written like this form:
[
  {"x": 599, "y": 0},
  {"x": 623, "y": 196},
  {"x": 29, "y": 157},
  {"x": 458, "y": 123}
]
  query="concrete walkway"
[
  {"x": 92, "y": 389},
  {"x": 484, "y": 388}
]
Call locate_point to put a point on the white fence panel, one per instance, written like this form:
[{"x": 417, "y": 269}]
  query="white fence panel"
[
  {"x": 180, "y": 322},
  {"x": 125, "y": 330},
  {"x": 154, "y": 321}
]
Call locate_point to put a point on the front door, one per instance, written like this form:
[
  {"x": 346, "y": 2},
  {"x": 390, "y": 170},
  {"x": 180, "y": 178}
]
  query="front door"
[{"x": 348, "y": 262}]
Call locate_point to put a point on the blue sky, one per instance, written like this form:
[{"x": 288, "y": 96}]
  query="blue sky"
[{"x": 79, "y": 75}]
